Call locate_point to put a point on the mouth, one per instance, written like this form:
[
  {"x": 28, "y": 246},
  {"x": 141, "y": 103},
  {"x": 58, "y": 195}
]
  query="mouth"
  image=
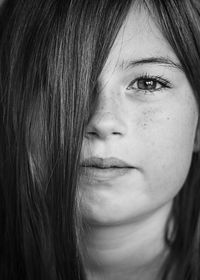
[
  {"x": 104, "y": 169},
  {"x": 105, "y": 163}
]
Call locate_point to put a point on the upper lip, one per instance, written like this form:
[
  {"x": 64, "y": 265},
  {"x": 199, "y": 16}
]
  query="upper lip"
[{"x": 110, "y": 162}]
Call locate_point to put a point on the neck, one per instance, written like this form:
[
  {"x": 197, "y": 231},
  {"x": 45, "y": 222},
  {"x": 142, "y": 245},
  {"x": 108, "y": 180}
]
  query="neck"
[{"x": 132, "y": 251}]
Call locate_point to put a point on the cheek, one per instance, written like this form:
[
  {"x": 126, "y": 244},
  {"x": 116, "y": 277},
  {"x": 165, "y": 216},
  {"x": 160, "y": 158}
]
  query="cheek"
[{"x": 168, "y": 139}]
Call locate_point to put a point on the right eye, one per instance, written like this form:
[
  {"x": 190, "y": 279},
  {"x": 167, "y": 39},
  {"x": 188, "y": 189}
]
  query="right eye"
[{"x": 148, "y": 84}]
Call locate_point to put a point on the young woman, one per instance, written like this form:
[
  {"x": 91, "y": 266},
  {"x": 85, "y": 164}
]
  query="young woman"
[{"x": 99, "y": 148}]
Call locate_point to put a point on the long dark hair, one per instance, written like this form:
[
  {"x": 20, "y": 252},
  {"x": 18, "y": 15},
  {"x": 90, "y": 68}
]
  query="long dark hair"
[{"x": 51, "y": 55}]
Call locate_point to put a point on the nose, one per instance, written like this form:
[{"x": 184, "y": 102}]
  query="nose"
[{"x": 108, "y": 120}]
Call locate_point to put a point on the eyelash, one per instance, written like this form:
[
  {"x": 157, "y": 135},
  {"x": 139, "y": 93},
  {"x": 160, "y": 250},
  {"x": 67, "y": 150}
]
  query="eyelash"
[{"x": 147, "y": 78}]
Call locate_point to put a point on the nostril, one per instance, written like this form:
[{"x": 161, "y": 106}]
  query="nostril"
[{"x": 90, "y": 133}]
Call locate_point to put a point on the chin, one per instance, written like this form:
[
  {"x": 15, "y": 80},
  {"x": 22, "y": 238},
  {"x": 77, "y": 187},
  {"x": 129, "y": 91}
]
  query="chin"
[{"x": 102, "y": 216}]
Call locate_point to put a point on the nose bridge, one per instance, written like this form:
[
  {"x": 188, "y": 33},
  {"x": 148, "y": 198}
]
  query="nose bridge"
[
  {"x": 108, "y": 119},
  {"x": 108, "y": 104}
]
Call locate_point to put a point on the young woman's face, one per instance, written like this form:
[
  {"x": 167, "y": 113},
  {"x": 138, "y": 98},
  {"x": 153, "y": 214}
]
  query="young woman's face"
[{"x": 146, "y": 117}]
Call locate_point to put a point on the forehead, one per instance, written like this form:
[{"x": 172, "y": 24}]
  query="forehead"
[{"x": 139, "y": 38}]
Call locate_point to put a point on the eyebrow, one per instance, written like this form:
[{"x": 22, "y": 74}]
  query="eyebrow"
[{"x": 151, "y": 60}]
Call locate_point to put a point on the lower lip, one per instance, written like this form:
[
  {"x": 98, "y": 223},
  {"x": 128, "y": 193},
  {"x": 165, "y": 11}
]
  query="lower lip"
[{"x": 105, "y": 174}]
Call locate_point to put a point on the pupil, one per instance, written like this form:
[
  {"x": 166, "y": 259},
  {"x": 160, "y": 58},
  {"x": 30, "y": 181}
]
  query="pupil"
[{"x": 146, "y": 84}]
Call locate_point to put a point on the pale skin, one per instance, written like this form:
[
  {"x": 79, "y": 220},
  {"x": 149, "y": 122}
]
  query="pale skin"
[{"x": 155, "y": 130}]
